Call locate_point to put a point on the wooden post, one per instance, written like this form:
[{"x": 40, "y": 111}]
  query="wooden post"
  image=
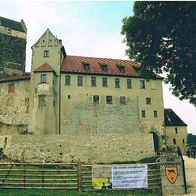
[{"x": 79, "y": 170}]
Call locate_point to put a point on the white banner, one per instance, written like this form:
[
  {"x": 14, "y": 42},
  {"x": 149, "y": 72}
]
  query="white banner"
[{"x": 132, "y": 176}]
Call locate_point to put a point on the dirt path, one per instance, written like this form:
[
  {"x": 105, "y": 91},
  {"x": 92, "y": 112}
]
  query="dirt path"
[{"x": 190, "y": 166}]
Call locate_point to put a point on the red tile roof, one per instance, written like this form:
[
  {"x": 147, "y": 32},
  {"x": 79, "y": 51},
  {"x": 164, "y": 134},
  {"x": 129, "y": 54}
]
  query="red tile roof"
[
  {"x": 15, "y": 78},
  {"x": 44, "y": 68},
  {"x": 172, "y": 119},
  {"x": 74, "y": 64}
]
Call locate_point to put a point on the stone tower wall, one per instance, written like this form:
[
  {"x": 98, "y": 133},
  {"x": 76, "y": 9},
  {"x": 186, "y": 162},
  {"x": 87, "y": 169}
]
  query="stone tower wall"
[{"x": 12, "y": 52}]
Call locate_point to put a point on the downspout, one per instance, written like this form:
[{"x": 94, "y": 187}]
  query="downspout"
[{"x": 60, "y": 98}]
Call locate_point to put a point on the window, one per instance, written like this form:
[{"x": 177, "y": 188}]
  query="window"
[
  {"x": 104, "y": 67},
  {"x": 183, "y": 141},
  {"x": 86, "y": 66},
  {"x": 155, "y": 114},
  {"x": 121, "y": 68},
  {"x": 104, "y": 82},
  {"x": 109, "y": 99},
  {"x": 117, "y": 83},
  {"x": 95, "y": 98},
  {"x": 43, "y": 78},
  {"x": 69, "y": 96},
  {"x": 176, "y": 130},
  {"x": 129, "y": 83},
  {"x": 80, "y": 80},
  {"x": 122, "y": 100},
  {"x": 11, "y": 88},
  {"x": 26, "y": 100},
  {"x": 174, "y": 141},
  {"x": 142, "y": 84},
  {"x": 143, "y": 113},
  {"x": 153, "y": 84},
  {"x": 93, "y": 81},
  {"x": 67, "y": 80},
  {"x": 148, "y": 101},
  {"x": 46, "y": 53}
]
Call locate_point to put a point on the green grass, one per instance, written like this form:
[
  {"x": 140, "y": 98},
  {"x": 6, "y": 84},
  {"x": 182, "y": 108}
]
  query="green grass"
[{"x": 32, "y": 192}]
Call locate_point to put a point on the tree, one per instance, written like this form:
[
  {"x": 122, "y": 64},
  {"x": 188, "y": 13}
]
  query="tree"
[
  {"x": 161, "y": 36},
  {"x": 191, "y": 139}
]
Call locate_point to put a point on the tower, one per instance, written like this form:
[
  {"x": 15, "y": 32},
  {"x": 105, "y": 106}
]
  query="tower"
[
  {"x": 47, "y": 56},
  {"x": 13, "y": 47}
]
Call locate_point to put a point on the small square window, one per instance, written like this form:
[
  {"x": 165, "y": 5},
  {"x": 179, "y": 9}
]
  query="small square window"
[
  {"x": 176, "y": 130},
  {"x": 117, "y": 83},
  {"x": 104, "y": 82},
  {"x": 69, "y": 96},
  {"x": 142, "y": 84},
  {"x": 11, "y": 88},
  {"x": 122, "y": 100},
  {"x": 80, "y": 80},
  {"x": 93, "y": 81},
  {"x": 46, "y": 53},
  {"x": 95, "y": 98},
  {"x": 43, "y": 78},
  {"x": 143, "y": 113},
  {"x": 155, "y": 114},
  {"x": 148, "y": 101},
  {"x": 109, "y": 100},
  {"x": 129, "y": 83},
  {"x": 67, "y": 80},
  {"x": 174, "y": 141}
]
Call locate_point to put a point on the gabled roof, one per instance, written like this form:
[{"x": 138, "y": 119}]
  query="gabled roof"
[
  {"x": 44, "y": 68},
  {"x": 15, "y": 78},
  {"x": 11, "y": 24},
  {"x": 172, "y": 119},
  {"x": 74, "y": 64},
  {"x": 46, "y": 33}
]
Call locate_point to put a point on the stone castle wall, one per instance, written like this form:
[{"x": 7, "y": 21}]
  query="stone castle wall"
[
  {"x": 87, "y": 117},
  {"x": 14, "y": 114},
  {"x": 89, "y": 148},
  {"x": 13, "y": 54}
]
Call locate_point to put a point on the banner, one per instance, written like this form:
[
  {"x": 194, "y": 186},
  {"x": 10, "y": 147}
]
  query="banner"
[
  {"x": 124, "y": 176},
  {"x": 132, "y": 176}
]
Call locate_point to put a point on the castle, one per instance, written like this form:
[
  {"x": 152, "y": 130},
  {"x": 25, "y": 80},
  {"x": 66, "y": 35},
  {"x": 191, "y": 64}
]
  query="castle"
[{"x": 74, "y": 95}]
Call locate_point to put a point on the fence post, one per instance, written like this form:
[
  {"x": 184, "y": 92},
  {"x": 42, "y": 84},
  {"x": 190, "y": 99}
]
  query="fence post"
[
  {"x": 79, "y": 170},
  {"x": 184, "y": 175}
]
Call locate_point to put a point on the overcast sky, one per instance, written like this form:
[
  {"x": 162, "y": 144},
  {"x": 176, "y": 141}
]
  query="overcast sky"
[{"x": 87, "y": 28}]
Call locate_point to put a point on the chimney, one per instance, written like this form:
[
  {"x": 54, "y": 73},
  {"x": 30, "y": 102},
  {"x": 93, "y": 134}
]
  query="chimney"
[{"x": 60, "y": 41}]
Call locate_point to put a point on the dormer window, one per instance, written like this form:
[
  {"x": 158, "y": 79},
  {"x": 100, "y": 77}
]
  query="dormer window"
[
  {"x": 46, "y": 53},
  {"x": 121, "y": 68},
  {"x": 86, "y": 66},
  {"x": 104, "y": 67}
]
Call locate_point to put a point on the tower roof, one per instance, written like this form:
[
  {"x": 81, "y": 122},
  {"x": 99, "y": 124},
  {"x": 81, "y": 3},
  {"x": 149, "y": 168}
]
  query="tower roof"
[{"x": 44, "y": 68}]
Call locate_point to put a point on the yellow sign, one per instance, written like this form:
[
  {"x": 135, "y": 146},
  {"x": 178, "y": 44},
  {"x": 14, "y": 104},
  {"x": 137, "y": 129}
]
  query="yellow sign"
[{"x": 171, "y": 173}]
